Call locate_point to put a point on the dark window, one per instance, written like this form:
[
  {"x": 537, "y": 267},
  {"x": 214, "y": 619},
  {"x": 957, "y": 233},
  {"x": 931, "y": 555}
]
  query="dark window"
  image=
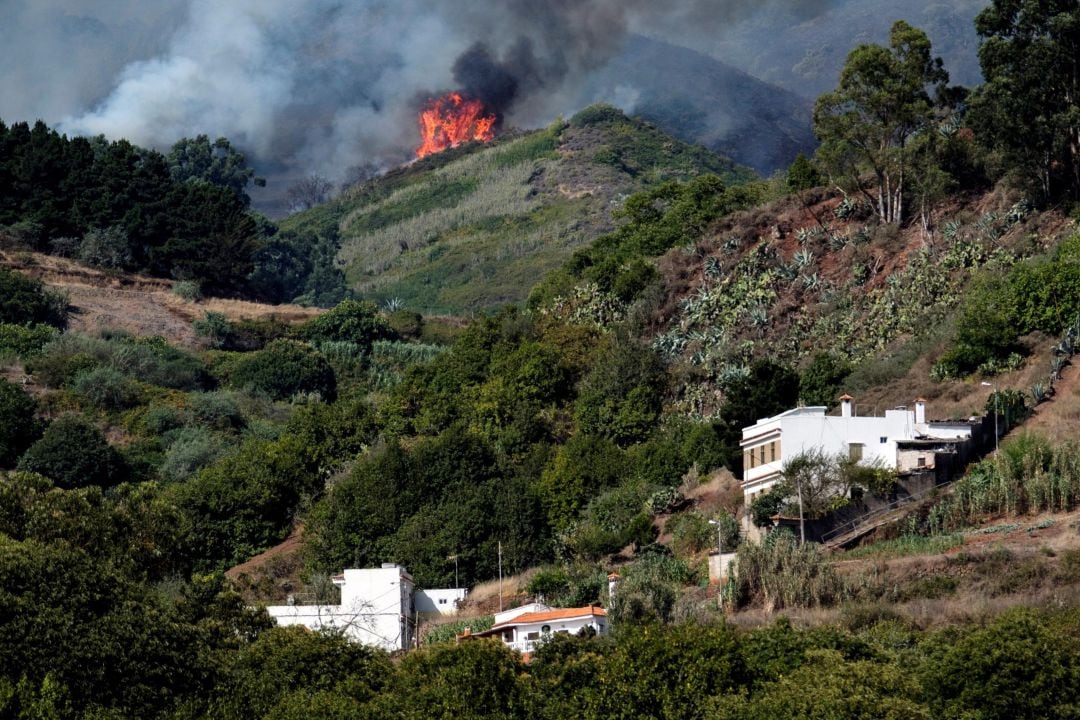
[
  {"x": 884, "y": 439},
  {"x": 921, "y": 462}
]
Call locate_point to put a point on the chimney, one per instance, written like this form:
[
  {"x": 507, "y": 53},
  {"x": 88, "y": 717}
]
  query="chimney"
[
  {"x": 920, "y": 411},
  {"x": 845, "y": 406},
  {"x": 612, "y": 582}
]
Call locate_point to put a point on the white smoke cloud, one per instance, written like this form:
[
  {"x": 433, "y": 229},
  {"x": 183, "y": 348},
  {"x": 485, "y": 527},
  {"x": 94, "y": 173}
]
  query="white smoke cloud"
[{"x": 317, "y": 86}]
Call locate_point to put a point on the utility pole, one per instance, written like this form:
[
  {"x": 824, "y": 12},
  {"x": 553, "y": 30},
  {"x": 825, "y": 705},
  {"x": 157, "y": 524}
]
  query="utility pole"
[
  {"x": 997, "y": 411},
  {"x": 454, "y": 557},
  {"x": 802, "y": 521},
  {"x": 500, "y": 577}
]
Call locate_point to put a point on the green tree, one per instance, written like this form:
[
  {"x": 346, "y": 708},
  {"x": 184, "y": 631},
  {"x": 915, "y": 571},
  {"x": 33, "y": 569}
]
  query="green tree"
[
  {"x": 107, "y": 248},
  {"x": 814, "y": 483},
  {"x": 880, "y": 104},
  {"x": 802, "y": 175},
  {"x": 656, "y": 672},
  {"x": 769, "y": 389},
  {"x": 260, "y": 678},
  {"x": 24, "y": 300},
  {"x": 473, "y": 680},
  {"x": 1028, "y": 108},
  {"x": 211, "y": 238},
  {"x": 583, "y": 467},
  {"x": 621, "y": 397},
  {"x": 828, "y": 686},
  {"x": 352, "y": 321},
  {"x": 284, "y": 368},
  {"x": 19, "y": 427},
  {"x": 1016, "y": 667},
  {"x": 73, "y": 453},
  {"x": 820, "y": 383},
  {"x": 218, "y": 163},
  {"x": 246, "y": 501}
]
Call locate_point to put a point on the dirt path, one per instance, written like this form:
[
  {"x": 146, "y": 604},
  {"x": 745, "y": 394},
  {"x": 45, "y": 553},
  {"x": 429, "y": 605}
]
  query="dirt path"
[{"x": 1059, "y": 417}]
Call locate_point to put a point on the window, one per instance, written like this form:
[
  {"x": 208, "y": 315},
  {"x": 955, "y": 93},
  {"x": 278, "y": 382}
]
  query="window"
[
  {"x": 533, "y": 636},
  {"x": 772, "y": 452},
  {"x": 921, "y": 462},
  {"x": 884, "y": 439},
  {"x": 748, "y": 460},
  {"x": 442, "y": 601},
  {"x": 855, "y": 451},
  {"x": 762, "y": 451},
  {"x": 545, "y": 629}
]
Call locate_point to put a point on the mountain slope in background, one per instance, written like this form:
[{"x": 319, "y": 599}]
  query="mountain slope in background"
[
  {"x": 805, "y": 55},
  {"x": 699, "y": 99},
  {"x": 476, "y": 227}
]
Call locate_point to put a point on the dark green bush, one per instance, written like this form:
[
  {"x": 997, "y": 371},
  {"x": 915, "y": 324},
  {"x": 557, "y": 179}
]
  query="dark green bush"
[
  {"x": 106, "y": 389},
  {"x": 283, "y": 369},
  {"x": 19, "y": 428},
  {"x": 24, "y": 300},
  {"x": 351, "y": 321},
  {"x": 73, "y": 453}
]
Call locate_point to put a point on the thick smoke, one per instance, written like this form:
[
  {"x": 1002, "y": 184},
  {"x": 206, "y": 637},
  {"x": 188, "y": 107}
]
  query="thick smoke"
[{"x": 318, "y": 86}]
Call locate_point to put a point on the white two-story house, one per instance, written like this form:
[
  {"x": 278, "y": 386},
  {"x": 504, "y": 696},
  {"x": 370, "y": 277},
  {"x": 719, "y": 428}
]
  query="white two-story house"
[
  {"x": 379, "y": 607},
  {"x": 772, "y": 441}
]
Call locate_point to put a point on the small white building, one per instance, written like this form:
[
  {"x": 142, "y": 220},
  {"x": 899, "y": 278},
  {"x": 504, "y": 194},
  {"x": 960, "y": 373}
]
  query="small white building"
[
  {"x": 378, "y": 607},
  {"x": 525, "y": 628},
  {"x": 772, "y": 441},
  {"x": 436, "y": 603}
]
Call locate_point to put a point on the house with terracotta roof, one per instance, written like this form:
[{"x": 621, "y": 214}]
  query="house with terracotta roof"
[{"x": 524, "y": 629}]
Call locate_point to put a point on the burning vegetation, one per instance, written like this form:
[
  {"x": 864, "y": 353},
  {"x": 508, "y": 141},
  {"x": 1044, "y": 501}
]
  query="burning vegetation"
[{"x": 453, "y": 119}]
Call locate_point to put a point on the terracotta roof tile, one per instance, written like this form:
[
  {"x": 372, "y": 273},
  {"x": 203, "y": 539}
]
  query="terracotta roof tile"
[{"x": 548, "y": 616}]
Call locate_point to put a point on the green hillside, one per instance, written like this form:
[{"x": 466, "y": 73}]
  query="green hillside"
[{"x": 475, "y": 227}]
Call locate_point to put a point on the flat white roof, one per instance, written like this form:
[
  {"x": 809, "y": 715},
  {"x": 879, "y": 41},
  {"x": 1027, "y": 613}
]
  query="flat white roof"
[{"x": 812, "y": 410}]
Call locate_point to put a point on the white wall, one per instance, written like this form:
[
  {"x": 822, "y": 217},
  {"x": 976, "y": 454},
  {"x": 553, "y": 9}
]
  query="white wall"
[
  {"x": 438, "y": 602},
  {"x": 376, "y": 608}
]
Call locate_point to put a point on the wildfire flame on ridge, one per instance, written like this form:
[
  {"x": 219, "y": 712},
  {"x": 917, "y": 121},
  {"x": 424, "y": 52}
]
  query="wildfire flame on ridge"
[{"x": 452, "y": 119}]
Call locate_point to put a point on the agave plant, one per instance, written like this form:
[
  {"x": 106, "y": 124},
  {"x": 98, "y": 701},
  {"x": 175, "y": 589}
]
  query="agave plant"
[
  {"x": 759, "y": 316},
  {"x": 802, "y": 259},
  {"x": 394, "y": 304},
  {"x": 951, "y": 229},
  {"x": 1018, "y": 212},
  {"x": 1056, "y": 366},
  {"x": 811, "y": 282},
  {"x": 1038, "y": 393},
  {"x": 846, "y": 208},
  {"x": 837, "y": 242},
  {"x": 713, "y": 268}
]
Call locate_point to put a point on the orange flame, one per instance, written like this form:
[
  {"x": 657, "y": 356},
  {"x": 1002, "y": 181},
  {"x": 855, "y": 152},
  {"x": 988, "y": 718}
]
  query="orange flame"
[{"x": 448, "y": 121}]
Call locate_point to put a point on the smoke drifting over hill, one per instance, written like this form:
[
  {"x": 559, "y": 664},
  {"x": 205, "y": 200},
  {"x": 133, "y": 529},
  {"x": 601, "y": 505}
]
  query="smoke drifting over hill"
[{"x": 321, "y": 85}]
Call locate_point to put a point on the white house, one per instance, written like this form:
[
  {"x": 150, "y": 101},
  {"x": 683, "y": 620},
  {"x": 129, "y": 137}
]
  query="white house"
[
  {"x": 432, "y": 603},
  {"x": 524, "y": 628},
  {"x": 772, "y": 441},
  {"x": 378, "y": 607}
]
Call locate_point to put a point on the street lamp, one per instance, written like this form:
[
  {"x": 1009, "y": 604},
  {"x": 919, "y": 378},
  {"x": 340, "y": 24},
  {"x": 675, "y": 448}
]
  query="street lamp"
[
  {"x": 996, "y": 411},
  {"x": 719, "y": 536}
]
